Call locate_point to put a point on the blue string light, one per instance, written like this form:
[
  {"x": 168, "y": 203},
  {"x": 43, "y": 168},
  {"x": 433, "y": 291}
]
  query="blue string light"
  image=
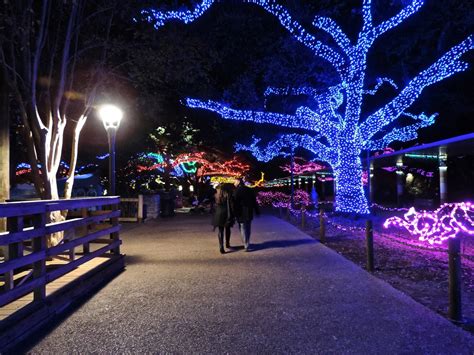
[
  {"x": 103, "y": 156},
  {"x": 23, "y": 166},
  {"x": 339, "y": 129},
  {"x": 155, "y": 156},
  {"x": 380, "y": 82},
  {"x": 160, "y": 18},
  {"x": 177, "y": 171}
]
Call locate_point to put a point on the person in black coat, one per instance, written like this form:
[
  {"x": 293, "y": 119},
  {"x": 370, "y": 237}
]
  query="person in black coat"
[
  {"x": 245, "y": 204},
  {"x": 223, "y": 217}
]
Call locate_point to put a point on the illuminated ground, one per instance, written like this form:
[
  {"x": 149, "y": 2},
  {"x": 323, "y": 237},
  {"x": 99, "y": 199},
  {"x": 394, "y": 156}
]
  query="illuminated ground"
[
  {"x": 412, "y": 266},
  {"x": 290, "y": 295}
]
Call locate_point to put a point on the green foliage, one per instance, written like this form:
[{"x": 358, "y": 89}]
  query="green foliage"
[{"x": 174, "y": 138}]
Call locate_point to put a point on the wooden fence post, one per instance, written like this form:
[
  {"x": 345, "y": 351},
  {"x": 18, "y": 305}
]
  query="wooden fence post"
[
  {"x": 39, "y": 267},
  {"x": 15, "y": 224},
  {"x": 86, "y": 246},
  {"x": 302, "y": 217},
  {"x": 455, "y": 309},
  {"x": 369, "y": 234},
  {"x": 140, "y": 208},
  {"x": 322, "y": 226},
  {"x": 115, "y": 222},
  {"x": 13, "y": 250}
]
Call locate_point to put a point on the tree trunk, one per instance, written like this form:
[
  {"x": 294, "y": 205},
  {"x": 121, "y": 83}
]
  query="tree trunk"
[
  {"x": 55, "y": 216},
  {"x": 73, "y": 161},
  {"x": 4, "y": 147},
  {"x": 350, "y": 195}
]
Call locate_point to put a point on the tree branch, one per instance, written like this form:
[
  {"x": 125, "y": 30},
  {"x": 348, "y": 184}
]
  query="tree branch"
[
  {"x": 328, "y": 102},
  {"x": 9, "y": 68},
  {"x": 64, "y": 60},
  {"x": 289, "y": 142},
  {"x": 291, "y": 121},
  {"x": 380, "y": 82},
  {"x": 330, "y": 26},
  {"x": 367, "y": 16},
  {"x": 322, "y": 122},
  {"x": 290, "y": 91},
  {"x": 56, "y": 146},
  {"x": 397, "y": 19},
  {"x": 48, "y": 101},
  {"x": 443, "y": 68},
  {"x": 404, "y": 134},
  {"x": 272, "y": 150},
  {"x": 320, "y": 150},
  {"x": 40, "y": 41},
  {"x": 74, "y": 58},
  {"x": 159, "y": 18}
]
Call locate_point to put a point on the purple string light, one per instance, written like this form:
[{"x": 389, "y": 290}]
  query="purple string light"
[{"x": 434, "y": 227}]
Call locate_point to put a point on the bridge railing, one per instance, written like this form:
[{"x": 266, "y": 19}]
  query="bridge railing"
[{"x": 27, "y": 267}]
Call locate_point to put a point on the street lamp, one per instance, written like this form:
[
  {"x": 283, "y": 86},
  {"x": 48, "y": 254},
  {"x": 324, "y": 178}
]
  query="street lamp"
[{"x": 111, "y": 116}]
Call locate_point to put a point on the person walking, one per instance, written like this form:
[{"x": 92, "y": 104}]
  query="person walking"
[
  {"x": 245, "y": 204},
  {"x": 229, "y": 189},
  {"x": 223, "y": 217}
]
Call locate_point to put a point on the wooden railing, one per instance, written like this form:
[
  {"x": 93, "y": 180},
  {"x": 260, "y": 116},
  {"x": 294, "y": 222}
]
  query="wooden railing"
[{"x": 28, "y": 263}]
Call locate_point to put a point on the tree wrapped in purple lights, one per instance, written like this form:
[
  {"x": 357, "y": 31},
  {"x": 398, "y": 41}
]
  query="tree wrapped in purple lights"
[{"x": 338, "y": 130}]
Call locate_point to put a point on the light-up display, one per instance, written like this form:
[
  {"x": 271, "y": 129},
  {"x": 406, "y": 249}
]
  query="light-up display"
[
  {"x": 434, "y": 227},
  {"x": 340, "y": 131}
]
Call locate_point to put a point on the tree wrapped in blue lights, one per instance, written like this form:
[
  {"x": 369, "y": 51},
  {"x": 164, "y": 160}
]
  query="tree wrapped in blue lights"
[{"x": 338, "y": 129}]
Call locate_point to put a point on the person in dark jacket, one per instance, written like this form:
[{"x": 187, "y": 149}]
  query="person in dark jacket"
[
  {"x": 245, "y": 204},
  {"x": 223, "y": 217}
]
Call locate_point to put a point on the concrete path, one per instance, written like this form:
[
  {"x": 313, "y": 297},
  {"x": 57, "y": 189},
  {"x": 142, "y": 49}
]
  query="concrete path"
[{"x": 290, "y": 295}]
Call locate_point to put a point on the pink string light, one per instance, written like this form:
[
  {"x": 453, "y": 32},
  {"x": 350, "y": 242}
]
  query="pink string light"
[
  {"x": 365, "y": 177},
  {"x": 280, "y": 199},
  {"x": 324, "y": 179},
  {"x": 434, "y": 227},
  {"x": 422, "y": 172},
  {"x": 386, "y": 150},
  {"x": 302, "y": 166}
]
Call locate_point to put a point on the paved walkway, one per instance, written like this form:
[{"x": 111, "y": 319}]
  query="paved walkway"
[{"x": 290, "y": 295}]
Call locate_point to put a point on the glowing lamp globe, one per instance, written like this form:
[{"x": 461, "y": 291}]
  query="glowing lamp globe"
[{"x": 111, "y": 116}]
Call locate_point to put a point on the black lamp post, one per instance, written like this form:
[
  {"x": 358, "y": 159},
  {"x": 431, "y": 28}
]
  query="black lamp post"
[{"x": 111, "y": 117}]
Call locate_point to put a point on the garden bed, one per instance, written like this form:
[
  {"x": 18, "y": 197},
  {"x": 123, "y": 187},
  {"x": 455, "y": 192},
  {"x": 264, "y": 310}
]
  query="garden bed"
[{"x": 416, "y": 269}]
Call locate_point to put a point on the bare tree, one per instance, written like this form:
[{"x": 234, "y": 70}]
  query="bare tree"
[{"x": 43, "y": 51}]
